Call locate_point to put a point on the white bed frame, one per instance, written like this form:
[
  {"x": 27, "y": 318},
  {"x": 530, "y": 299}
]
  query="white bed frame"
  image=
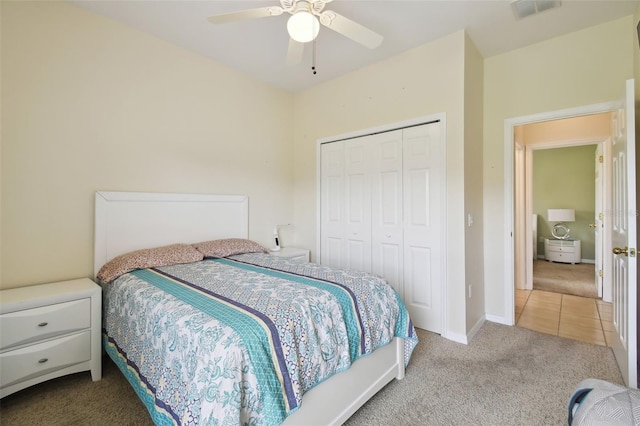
[{"x": 127, "y": 221}]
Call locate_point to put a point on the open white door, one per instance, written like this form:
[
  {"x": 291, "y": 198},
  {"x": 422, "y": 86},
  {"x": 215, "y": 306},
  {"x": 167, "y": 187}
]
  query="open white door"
[
  {"x": 624, "y": 265},
  {"x": 598, "y": 224}
]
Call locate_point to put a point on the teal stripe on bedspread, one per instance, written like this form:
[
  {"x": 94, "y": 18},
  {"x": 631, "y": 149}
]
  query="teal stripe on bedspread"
[
  {"x": 248, "y": 327},
  {"x": 346, "y": 301}
]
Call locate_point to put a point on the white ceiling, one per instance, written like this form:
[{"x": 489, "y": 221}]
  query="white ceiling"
[{"x": 259, "y": 47}]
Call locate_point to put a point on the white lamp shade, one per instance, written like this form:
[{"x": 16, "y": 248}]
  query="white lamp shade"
[
  {"x": 561, "y": 215},
  {"x": 303, "y": 27}
]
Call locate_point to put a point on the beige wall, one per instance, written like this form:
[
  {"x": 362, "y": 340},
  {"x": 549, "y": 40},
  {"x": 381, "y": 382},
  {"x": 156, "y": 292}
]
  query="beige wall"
[
  {"x": 89, "y": 104},
  {"x": 474, "y": 256},
  {"x": 583, "y": 68},
  {"x": 423, "y": 81}
]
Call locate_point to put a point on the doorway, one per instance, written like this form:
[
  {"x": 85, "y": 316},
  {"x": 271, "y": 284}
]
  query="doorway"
[
  {"x": 515, "y": 228},
  {"x": 562, "y": 170},
  {"x": 557, "y": 169},
  {"x": 562, "y": 178}
]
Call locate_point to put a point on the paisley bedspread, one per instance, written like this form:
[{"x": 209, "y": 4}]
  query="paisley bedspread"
[{"x": 240, "y": 340}]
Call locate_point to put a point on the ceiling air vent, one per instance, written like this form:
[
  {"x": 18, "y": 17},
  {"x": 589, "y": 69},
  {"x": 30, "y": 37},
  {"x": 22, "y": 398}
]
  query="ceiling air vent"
[{"x": 524, "y": 8}]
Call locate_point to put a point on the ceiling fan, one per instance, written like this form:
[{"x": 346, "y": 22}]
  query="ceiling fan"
[{"x": 304, "y": 24}]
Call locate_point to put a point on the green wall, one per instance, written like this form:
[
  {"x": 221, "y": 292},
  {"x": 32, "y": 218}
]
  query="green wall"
[{"x": 565, "y": 178}]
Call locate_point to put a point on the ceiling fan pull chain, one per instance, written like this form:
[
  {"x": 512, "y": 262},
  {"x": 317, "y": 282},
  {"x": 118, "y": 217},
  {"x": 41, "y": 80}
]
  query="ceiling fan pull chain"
[{"x": 313, "y": 61}]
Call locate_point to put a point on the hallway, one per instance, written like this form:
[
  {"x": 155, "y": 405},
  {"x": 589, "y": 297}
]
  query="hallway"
[{"x": 579, "y": 318}]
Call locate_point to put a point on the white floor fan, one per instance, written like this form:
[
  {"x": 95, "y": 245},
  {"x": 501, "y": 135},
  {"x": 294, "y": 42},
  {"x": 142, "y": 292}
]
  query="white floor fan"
[{"x": 304, "y": 24}]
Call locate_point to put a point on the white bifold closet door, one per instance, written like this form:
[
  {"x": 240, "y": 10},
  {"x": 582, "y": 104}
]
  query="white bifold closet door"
[{"x": 380, "y": 212}]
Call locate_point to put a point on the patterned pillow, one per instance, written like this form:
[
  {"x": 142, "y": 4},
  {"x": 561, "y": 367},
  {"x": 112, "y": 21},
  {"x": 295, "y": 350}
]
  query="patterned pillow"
[
  {"x": 148, "y": 258},
  {"x": 229, "y": 247}
]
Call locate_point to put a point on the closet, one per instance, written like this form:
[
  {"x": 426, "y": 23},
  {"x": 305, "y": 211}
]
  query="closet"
[{"x": 381, "y": 211}]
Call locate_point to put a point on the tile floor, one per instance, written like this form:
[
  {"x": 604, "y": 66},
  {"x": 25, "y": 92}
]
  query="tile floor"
[{"x": 579, "y": 318}]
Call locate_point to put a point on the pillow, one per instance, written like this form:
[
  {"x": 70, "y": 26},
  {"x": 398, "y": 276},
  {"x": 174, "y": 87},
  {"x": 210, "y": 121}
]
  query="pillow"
[
  {"x": 229, "y": 247},
  {"x": 148, "y": 258}
]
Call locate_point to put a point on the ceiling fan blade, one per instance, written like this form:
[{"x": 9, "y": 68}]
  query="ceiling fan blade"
[
  {"x": 348, "y": 28},
  {"x": 295, "y": 52},
  {"x": 261, "y": 12}
]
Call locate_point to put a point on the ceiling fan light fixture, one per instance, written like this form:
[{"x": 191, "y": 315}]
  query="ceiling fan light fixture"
[{"x": 303, "y": 27}]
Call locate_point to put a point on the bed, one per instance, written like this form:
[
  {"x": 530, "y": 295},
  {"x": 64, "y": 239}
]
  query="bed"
[{"x": 220, "y": 332}]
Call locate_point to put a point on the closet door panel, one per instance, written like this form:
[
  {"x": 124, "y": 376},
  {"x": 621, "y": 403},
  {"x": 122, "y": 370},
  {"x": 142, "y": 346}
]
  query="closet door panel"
[
  {"x": 422, "y": 168},
  {"x": 419, "y": 271},
  {"x": 332, "y": 210},
  {"x": 386, "y": 201},
  {"x": 358, "y": 257},
  {"x": 358, "y": 205},
  {"x": 417, "y": 199},
  {"x": 388, "y": 264},
  {"x": 332, "y": 251}
]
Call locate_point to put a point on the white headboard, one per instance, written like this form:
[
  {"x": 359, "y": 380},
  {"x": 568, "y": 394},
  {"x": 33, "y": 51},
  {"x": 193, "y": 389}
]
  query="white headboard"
[{"x": 127, "y": 221}]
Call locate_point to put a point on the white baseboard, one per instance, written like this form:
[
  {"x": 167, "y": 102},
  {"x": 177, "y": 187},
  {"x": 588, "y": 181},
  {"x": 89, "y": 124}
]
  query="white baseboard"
[
  {"x": 497, "y": 319},
  {"x": 465, "y": 339},
  {"x": 474, "y": 330},
  {"x": 459, "y": 338}
]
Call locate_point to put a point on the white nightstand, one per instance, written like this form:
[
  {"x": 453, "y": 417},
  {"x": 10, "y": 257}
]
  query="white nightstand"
[
  {"x": 566, "y": 251},
  {"x": 48, "y": 331},
  {"x": 292, "y": 253}
]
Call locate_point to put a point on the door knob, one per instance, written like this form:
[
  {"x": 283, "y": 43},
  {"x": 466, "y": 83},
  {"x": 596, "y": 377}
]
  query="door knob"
[
  {"x": 618, "y": 250},
  {"x": 592, "y": 225}
]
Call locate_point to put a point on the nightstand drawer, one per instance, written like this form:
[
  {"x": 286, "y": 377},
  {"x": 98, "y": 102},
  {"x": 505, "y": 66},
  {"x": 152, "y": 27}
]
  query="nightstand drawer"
[
  {"x": 562, "y": 249},
  {"x": 36, "y": 360},
  {"x": 29, "y": 325},
  {"x": 560, "y": 257}
]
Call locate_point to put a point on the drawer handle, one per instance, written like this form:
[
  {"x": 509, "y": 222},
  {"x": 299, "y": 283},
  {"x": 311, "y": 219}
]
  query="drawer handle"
[
  {"x": 43, "y": 324},
  {"x": 43, "y": 360}
]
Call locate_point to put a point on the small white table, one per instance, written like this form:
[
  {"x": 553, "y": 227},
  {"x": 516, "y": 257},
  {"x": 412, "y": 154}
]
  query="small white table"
[
  {"x": 565, "y": 251},
  {"x": 48, "y": 331},
  {"x": 292, "y": 253}
]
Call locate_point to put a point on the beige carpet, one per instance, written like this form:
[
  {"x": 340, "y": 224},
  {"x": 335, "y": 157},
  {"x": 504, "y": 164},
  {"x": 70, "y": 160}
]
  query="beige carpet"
[
  {"x": 505, "y": 376},
  {"x": 578, "y": 279}
]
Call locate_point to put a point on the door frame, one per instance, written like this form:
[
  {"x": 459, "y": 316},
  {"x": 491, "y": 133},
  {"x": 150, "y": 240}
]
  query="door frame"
[{"x": 509, "y": 197}]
